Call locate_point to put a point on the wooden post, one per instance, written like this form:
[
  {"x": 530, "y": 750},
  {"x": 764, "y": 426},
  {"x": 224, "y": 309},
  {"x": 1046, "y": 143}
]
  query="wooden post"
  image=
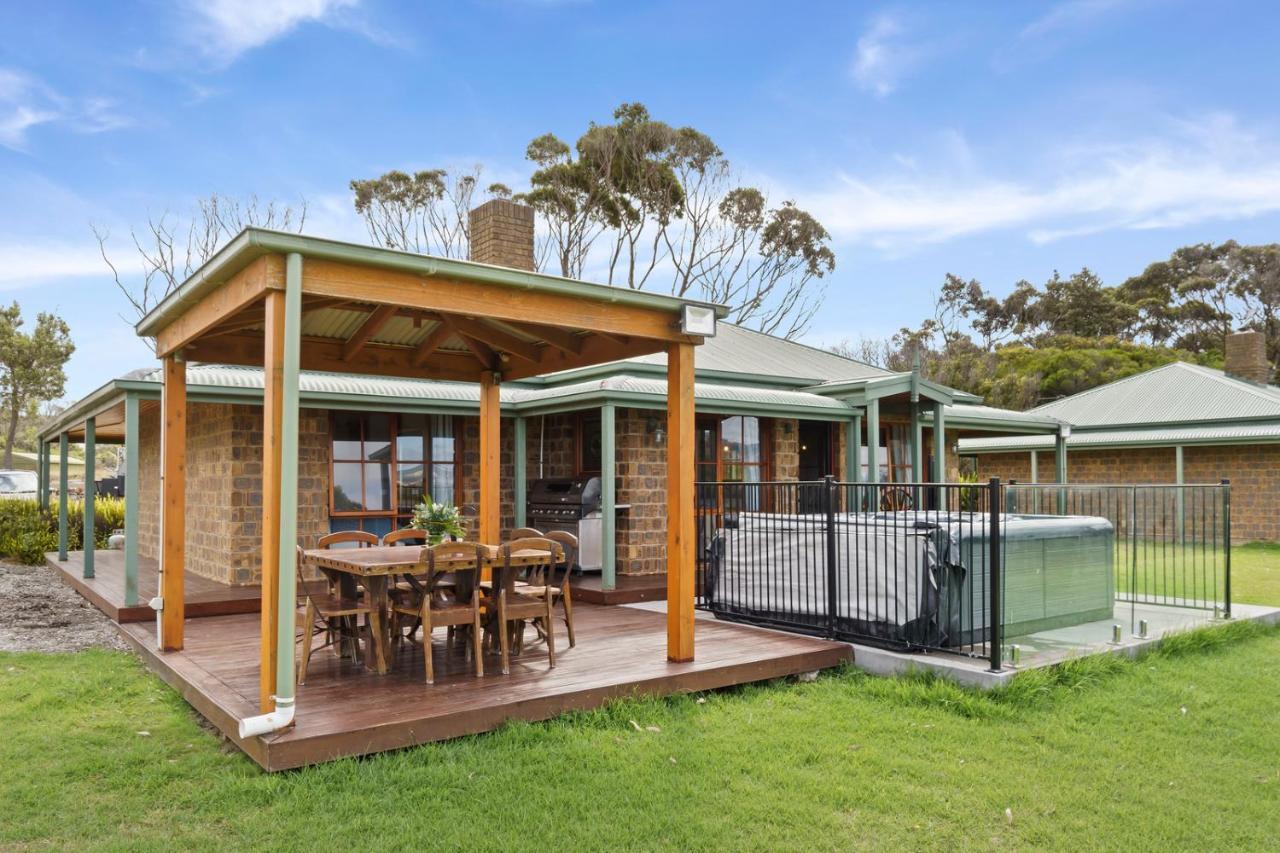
[
  {"x": 131, "y": 473},
  {"x": 608, "y": 497},
  {"x": 89, "y": 514},
  {"x": 272, "y": 410},
  {"x": 490, "y": 459},
  {"x": 520, "y": 481},
  {"x": 173, "y": 501},
  {"x": 681, "y": 532},
  {"x": 62, "y": 497}
]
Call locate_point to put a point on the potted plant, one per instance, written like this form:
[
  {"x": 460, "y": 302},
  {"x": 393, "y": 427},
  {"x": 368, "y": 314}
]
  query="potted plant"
[{"x": 439, "y": 520}]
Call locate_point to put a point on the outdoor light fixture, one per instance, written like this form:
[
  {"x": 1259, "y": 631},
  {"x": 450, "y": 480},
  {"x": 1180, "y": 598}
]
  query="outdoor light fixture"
[
  {"x": 1064, "y": 431},
  {"x": 654, "y": 427},
  {"x": 698, "y": 320}
]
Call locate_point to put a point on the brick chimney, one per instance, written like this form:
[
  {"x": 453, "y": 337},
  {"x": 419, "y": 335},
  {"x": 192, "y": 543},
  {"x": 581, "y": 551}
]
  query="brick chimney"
[
  {"x": 502, "y": 234},
  {"x": 1247, "y": 357}
]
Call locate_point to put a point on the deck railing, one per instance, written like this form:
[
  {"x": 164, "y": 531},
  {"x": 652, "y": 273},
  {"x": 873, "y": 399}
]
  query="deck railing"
[
  {"x": 897, "y": 565},
  {"x": 1172, "y": 542}
]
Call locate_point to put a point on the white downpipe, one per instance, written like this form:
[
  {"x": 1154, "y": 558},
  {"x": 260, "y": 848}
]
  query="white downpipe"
[
  {"x": 285, "y": 678},
  {"x": 265, "y": 724}
]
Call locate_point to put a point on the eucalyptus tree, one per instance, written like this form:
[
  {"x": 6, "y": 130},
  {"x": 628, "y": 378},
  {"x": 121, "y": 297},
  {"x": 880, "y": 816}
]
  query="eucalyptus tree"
[{"x": 32, "y": 368}]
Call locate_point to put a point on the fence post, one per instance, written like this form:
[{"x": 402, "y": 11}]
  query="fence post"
[
  {"x": 994, "y": 618},
  {"x": 829, "y": 505},
  {"x": 1226, "y": 549}
]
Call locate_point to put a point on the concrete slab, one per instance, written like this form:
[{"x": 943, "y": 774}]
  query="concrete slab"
[{"x": 1046, "y": 648}]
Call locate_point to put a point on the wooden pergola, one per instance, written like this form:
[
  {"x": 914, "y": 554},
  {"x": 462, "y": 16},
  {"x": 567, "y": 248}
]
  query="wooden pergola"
[{"x": 291, "y": 303}]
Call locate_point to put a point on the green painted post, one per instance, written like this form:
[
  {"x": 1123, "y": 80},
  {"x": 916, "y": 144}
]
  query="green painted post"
[
  {"x": 288, "y": 599},
  {"x": 42, "y": 475},
  {"x": 940, "y": 453},
  {"x": 88, "y": 517},
  {"x": 608, "y": 497},
  {"x": 1035, "y": 466},
  {"x": 131, "y": 438},
  {"x": 62, "y": 497},
  {"x": 1060, "y": 465},
  {"x": 873, "y": 441},
  {"x": 1178, "y": 478},
  {"x": 521, "y": 463},
  {"x": 853, "y": 449}
]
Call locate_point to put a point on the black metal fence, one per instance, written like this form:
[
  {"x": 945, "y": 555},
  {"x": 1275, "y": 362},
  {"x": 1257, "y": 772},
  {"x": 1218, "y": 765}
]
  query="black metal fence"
[
  {"x": 1172, "y": 544},
  {"x": 960, "y": 567},
  {"x": 899, "y": 565}
]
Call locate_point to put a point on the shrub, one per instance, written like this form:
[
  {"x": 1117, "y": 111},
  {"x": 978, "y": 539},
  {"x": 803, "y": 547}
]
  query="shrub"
[{"x": 27, "y": 532}]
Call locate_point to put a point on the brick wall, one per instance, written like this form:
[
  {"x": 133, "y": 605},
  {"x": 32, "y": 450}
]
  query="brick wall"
[
  {"x": 224, "y": 488},
  {"x": 642, "y": 483},
  {"x": 1254, "y": 472}
]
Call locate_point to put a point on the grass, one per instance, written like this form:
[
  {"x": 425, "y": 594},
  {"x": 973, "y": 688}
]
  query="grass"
[
  {"x": 1168, "y": 572},
  {"x": 1177, "y": 750}
]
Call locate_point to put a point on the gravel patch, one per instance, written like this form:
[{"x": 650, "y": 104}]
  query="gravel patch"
[{"x": 39, "y": 613}]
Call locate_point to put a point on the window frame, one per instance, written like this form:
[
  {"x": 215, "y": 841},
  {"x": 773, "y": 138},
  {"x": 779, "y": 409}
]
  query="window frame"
[{"x": 428, "y": 462}]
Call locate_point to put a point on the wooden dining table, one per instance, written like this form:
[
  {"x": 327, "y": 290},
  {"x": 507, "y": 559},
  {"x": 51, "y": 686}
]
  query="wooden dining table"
[{"x": 373, "y": 568}]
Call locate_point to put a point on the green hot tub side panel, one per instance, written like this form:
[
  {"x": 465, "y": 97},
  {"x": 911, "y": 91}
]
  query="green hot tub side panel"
[{"x": 1058, "y": 572}]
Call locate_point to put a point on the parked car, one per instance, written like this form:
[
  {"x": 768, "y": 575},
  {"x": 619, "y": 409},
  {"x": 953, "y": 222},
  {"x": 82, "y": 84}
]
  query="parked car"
[{"x": 19, "y": 484}]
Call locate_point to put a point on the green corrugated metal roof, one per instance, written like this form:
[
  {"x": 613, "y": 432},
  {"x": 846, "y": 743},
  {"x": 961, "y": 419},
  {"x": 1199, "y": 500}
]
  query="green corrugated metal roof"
[
  {"x": 989, "y": 417},
  {"x": 1098, "y": 439},
  {"x": 735, "y": 349},
  {"x": 1175, "y": 393}
]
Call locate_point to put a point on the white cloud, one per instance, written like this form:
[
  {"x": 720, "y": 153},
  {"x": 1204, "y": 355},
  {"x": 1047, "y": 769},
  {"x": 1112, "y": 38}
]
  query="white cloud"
[
  {"x": 31, "y": 263},
  {"x": 26, "y": 102},
  {"x": 1072, "y": 14},
  {"x": 883, "y": 57},
  {"x": 227, "y": 28},
  {"x": 1200, "y": 171}
]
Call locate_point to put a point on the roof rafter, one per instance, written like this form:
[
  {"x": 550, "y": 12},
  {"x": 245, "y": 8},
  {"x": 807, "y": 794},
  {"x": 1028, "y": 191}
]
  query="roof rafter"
[{"x": 371, "y": 326}]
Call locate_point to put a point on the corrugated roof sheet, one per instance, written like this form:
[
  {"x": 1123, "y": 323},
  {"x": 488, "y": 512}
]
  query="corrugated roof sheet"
[
  {"x": 738, "y": 350},
  {"x": 1241, "y": 434},
  {"x": 1174, "y": 393},
  {"x": 974, "y": 412},
  {"x": 704, "y": 391},
  {"x": 228, "y": 376}
]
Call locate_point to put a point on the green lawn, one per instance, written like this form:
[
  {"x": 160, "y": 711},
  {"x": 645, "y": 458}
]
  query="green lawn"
[
  {"x": 1165, "y": 569},
  {"x": 1179, "y": 750}
]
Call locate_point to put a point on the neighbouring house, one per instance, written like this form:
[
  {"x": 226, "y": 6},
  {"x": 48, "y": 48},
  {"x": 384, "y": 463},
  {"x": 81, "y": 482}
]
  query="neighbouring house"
[
  {"x": 1180, "y": 423},
  {"x": 372, "y": 446}
]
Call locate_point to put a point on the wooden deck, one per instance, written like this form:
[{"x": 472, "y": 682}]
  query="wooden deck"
[
  {"x": 105, "y": 589},
  {"x": 629, "y": 589},
  {"x": 345, "y": 710}
]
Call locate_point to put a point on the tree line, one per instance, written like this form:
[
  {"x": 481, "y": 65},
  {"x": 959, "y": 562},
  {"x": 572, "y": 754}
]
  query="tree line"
[{"x": 1040, "y": 343}]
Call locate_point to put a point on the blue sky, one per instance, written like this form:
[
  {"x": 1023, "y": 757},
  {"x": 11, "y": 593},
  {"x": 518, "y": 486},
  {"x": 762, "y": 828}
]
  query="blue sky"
[{"x": 995, "y": 140}]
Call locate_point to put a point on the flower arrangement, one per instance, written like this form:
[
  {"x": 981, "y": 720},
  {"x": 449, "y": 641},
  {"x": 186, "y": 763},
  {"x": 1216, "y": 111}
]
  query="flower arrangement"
[{"x": 439, "y": 520}]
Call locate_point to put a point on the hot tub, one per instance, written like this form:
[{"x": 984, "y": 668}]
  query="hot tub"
[{"x": 910, "y": 578}]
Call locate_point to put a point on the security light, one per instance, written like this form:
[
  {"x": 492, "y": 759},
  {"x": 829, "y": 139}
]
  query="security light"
[{"x": 698, "y": 320}]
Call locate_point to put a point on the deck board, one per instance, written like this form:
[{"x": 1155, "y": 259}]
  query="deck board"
[
  {"x": 345, "y": 710},
  {"x": 105, "y": 589}
]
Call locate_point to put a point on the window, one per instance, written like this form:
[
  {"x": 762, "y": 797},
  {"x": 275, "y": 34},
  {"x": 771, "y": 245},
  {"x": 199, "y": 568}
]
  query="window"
[
  {"x": 383, "y": 464},
  {"x": 894, "y": 455},
  {"x": 590, "y": 447},
  {"x": 731, "y": 450}
]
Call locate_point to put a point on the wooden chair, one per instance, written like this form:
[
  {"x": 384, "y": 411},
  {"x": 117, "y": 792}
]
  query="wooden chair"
[
  {"x": 431, "y": 605},
  {"x": 407, "y": 536},
  {"x": 526, "y": 533},
  {"x": 321, "y": 615},
  {"x": 512, "y": 604},
  {"x": 560, "y": 591},
  {"x": 361, "y": 539}
]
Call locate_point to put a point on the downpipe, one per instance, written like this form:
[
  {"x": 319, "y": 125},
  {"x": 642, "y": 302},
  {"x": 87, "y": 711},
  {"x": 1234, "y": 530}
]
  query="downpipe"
[{"x": 272, "y": 721}]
